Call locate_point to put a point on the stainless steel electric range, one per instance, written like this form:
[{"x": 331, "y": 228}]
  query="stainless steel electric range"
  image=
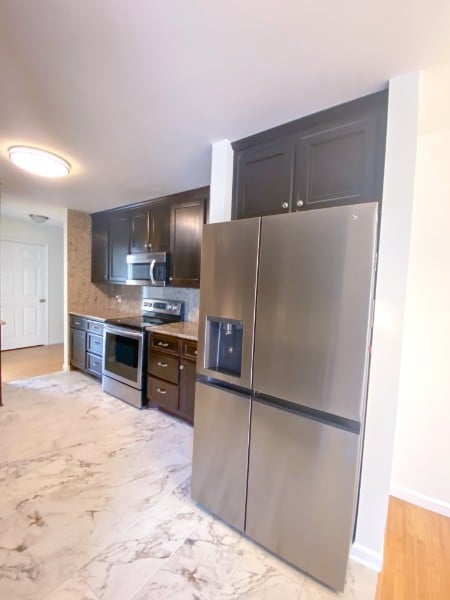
[{"x": 125, "y": 349}]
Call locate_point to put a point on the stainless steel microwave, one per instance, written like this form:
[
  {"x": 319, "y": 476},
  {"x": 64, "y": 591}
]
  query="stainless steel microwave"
[{"x": 148, "y": 268}]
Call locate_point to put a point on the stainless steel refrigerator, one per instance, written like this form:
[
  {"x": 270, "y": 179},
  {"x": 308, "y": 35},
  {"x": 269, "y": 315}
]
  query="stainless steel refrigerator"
[{"x": 284, "y": 337}]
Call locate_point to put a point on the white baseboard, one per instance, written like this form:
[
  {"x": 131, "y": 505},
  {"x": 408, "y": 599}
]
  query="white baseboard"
[
  {"x": 367, "y": 557},
  {"x": 421, "y": 500}
]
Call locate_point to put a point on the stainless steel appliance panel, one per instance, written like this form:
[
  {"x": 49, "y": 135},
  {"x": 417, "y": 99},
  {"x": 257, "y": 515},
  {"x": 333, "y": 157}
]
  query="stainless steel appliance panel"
[
  {"x": 219, "y": 469},
  {"x": 122, "y": 391},
  {"x": 229, "y": 268},
  {"x": 123, "y": 355},
  {"x": 302, "y": 491},
  {"x": 314, "y": 305}
]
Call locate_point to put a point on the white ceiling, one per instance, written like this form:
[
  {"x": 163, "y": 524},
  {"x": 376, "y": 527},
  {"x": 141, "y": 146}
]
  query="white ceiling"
[{"x": 133, "y": 92}]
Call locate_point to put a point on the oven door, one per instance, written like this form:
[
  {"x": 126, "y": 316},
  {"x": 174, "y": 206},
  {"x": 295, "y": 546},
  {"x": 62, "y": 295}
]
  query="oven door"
[{"x": 123, "y": 351}]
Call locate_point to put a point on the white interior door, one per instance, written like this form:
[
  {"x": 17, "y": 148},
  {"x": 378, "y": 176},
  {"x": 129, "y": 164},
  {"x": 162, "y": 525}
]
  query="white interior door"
[{"x": 23, "y": 294}]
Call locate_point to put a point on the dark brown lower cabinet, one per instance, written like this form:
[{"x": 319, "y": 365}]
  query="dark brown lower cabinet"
[
  {"x": 86, "y": 345},
  {"x": 78, "y": 348},
  {"x": 187, "y": 388},
  {"x": 171, "y": 375}
]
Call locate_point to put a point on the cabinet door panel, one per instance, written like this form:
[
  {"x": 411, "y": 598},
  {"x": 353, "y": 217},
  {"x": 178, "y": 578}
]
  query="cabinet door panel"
[
  {"x": 187, "y": 220},
  {"x": 94, "y": 364},
  {"x": 187, "y": 389},
  {"x": 99, "y": 260},
  {"x": 163, "y": 366},
  {"x": 162, "y": 393},
  {"x": 159, "y": 227},
  {"x": 78, "y": 348},
  {"x": 94, "y": 344},
  {"x": 264, "y": 179},
  {"x": 336, "y": 164},
  {"x": 165, "y": 343},
  {"x": 139, "y": 230},
  {"x": 118, "y": 247}
]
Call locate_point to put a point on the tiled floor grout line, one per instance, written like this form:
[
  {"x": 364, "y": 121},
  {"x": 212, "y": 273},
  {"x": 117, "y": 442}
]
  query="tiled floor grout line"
[
  {"x": 165, "y": 562},
  {"x": 166, "y": 541}
]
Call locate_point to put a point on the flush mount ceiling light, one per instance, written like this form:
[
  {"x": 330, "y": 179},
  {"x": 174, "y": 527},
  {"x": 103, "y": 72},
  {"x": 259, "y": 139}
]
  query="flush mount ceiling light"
[
  {"x": 39, "y": 162},
  {"x": 38, "y": 218}
]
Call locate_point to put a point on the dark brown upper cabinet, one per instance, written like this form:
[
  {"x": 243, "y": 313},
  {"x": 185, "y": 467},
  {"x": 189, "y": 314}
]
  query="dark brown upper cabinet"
[
  {"x": 100, "y": 256},
  {"x": 265, "y": 178},
  {"x": 187, "y": 218},
  {"x": 119, "y": 244},
  {"x": 329, "y": 158},
  {"x": 169, "y": 224},
  {"x": 150, "y": 228}
]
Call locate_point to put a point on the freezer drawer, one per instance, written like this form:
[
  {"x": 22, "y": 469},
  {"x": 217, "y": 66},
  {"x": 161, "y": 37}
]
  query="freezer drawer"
[
  {"x": 219, "y": 466},
  {"x": 302, "y": 491}
]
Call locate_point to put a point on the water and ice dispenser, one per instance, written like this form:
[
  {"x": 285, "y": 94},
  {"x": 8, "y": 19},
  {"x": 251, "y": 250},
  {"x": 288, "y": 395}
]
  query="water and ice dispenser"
[{"x": 224, "y": 346}]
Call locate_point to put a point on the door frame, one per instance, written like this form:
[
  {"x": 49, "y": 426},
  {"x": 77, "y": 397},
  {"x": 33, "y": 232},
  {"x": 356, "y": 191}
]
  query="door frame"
[{"x": 45, "y": 283}]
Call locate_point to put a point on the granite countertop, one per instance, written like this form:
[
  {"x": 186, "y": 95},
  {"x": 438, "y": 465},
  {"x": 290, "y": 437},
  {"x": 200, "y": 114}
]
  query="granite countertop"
[
  {"x": 184, "y": 329},
  {"x": 100, "y": 314}
]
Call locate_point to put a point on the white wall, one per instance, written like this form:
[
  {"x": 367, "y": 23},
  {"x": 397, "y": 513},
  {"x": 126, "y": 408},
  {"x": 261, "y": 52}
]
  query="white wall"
[
  {"x": 422, "y": 442},
  {"x": 23, "y": 231},
  {"x": 387, "y": 340},
  {"x": 221, "y": 182}
]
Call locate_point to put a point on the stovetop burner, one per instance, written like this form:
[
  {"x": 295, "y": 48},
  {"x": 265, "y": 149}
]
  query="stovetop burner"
[{"x": 154, "y": 312}]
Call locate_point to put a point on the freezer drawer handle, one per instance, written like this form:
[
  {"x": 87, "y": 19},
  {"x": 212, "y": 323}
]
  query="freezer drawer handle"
[
  {"x": 163, "y": 365},
  {"x": 163, "y": 344},
  {"x": 161, "y": 391}
]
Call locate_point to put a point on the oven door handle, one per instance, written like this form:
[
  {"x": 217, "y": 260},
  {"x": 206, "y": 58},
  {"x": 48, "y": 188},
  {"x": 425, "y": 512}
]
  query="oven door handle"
[
  {"x": 152, "y": 272},
  {"x": 125, "y": 332}
]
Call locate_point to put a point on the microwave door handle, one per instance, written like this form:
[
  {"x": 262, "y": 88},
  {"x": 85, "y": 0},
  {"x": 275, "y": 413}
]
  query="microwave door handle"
[{"x": 152, "y": 272}]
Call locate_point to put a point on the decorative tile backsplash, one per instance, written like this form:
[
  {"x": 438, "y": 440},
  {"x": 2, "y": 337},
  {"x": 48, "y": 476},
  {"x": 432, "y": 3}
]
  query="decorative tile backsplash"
[
  {"x": 82, "y": 294},
  {"x": 191, "y": 298}
]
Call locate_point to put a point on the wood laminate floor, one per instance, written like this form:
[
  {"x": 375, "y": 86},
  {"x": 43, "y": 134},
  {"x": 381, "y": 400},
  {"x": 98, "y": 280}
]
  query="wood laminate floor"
[
  {"x": 417, "y": 554},
  {"x": 29, "y": 362}
]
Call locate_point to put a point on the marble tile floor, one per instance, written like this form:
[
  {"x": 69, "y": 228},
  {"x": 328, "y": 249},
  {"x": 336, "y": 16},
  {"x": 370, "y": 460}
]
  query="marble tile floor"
[{"x": 95, "y": 505}]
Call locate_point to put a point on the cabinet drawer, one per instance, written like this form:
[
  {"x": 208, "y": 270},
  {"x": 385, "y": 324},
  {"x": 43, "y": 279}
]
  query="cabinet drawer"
[
  {"x": 78, "y": 322},
  {"x": 162, "y": 393},
  {"x": 164, "y": 366},
  {"x": 165, "y": 343},
  {"x": 95, "y": 344},
  {"x": 189, "y": 349},
  {"x": 95, "y": 327},
  {"x": 94, "y": 364}
]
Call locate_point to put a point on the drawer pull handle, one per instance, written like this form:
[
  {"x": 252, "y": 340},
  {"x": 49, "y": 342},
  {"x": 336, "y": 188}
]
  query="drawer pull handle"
[
  {"x": 161, "y": 391},
  {"x": 163, "y": 365},
  {"x": 163, "y": 344}
]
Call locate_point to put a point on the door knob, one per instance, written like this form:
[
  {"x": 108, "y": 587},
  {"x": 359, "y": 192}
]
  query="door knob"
[
  {"x": 285, "y": 205},
  {"x": 300, "y": 203}
]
